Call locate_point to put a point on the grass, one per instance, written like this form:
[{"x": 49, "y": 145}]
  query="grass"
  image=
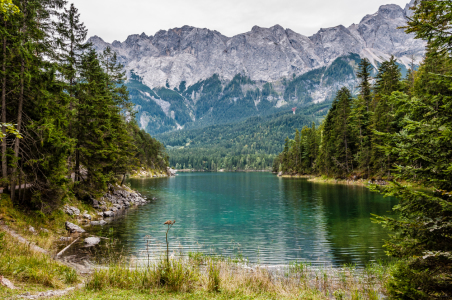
[
  {"x": 203, "y": 277},
  {"x": 49, "y": 227},
  {"x": 30, "y": 270}
]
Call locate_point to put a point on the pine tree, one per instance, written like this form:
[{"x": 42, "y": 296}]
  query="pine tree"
[
  {"x": 422, "y": 235},
  {"x": 388, "y": 80},
  {"x": 364, "y": 81},
  {"x": 360, "y": 117}
]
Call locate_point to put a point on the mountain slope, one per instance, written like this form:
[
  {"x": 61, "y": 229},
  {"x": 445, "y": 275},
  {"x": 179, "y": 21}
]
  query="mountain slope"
[{"x": 191, "y": 77}]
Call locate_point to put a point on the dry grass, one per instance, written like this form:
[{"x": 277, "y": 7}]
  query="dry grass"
[{"x": 200, "y": 274}]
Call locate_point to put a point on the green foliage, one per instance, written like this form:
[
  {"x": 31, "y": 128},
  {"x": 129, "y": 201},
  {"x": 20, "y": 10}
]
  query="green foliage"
[
  {"x": 177, "y": 276},
  {"x": 7, "y": 8},
  {"x": 431, "y": 22},
  {"x": 349, "y": 142},
  {"x": 70, "y": 106},
  {"x": 402, "y": 131},
  {"x": 9, "y": 129},
  {"x": 248, "y": 145}
]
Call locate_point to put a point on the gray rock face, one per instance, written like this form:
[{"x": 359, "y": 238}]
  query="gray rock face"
[
  {"x": 408, "y": 12},
  {"x": 92, "y": 241},
  {"x": 264, "y": 54},
  {"x": 72, "y": 228}
]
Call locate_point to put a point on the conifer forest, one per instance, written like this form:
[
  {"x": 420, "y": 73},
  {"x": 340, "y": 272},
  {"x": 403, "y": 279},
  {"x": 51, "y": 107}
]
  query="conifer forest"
[{"x": 67, "y": 123}]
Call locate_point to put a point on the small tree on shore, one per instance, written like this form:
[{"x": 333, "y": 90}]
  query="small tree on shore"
[{"x": 170, "y": 224}]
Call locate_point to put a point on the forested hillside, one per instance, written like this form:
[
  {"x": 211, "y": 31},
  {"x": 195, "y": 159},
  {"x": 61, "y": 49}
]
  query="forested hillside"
[
  {"x": 397, "y": 129},
  {"x": 247, "y": 145},
  {"x": 352, "y": 139},
  {"x": 70, "y": 106}
]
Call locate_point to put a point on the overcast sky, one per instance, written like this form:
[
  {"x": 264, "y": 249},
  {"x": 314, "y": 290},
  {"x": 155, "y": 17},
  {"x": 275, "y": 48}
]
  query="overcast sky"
[{"x": 115, "y": 19}]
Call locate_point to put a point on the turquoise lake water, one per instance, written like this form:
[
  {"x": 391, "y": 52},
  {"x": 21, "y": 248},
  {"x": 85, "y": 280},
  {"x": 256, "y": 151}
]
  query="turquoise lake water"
[{"x": 257, "y": 216}]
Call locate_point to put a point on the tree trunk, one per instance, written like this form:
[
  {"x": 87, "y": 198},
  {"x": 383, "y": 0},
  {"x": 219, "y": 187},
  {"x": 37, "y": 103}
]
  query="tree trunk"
[
  {"x": 4, "y": 165},
  {"x": 19, "y": 125},
  {"x": 20, "y": 185},
  {"x": 20, "y": 108}
]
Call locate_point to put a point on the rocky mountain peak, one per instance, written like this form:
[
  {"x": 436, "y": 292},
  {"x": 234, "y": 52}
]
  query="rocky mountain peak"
[
  {"x": 192, "y": 54},
  {"x": 408, "y": 12}
]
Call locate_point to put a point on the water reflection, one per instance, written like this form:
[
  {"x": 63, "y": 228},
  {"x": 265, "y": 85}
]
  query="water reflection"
[{"x": 255, "y": 215}]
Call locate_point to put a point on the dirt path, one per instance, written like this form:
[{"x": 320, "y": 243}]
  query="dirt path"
[{"x": 47, "y": 294}]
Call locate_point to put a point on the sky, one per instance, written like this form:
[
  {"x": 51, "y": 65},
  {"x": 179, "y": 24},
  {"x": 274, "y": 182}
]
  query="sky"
[{"x": 116, "y": 19}]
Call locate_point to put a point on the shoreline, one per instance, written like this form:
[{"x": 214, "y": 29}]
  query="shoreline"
[
  {"x": 357, "y": 182},
  {"x": 326, "y": 180}
]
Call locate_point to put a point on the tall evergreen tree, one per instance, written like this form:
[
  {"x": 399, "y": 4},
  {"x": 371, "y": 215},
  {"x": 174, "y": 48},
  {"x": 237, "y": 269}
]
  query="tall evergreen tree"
[
  {"x": 422, "y": 231},
  {"x": 388, "y": 80}
]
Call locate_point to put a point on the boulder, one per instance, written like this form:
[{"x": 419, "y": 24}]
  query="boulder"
[
  {"x": 98, "y": 223},
  {"x": 72, "y": 228},
  {"x": 32, "y": 230},
  {"x": 109, "y": 214},
  {"x": 92, "y": 241},
  {"x": 65, "y": 239},
  {"x": 87, "y": 216},
  {"x": 45, "y": 230}
]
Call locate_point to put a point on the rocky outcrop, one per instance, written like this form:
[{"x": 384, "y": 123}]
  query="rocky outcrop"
[
  {"x": 118, "y": 200},
  {"x": 87, "y": 216}
]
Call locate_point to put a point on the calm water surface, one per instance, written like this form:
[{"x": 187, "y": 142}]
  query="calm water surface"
[{"x": 258, "y": 216}]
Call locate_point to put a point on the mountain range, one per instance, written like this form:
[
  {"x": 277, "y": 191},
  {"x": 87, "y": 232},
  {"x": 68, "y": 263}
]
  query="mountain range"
[{"x": 193, "y": 77}]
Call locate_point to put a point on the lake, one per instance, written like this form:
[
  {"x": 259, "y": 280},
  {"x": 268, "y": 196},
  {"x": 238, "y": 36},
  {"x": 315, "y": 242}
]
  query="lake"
[{"x": 257, "y": 216}]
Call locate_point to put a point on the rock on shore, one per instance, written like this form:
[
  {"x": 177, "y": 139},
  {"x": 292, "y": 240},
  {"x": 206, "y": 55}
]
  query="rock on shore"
[
  {"x": 92, "y": 241},
  {"x": 74, "y": 228}
]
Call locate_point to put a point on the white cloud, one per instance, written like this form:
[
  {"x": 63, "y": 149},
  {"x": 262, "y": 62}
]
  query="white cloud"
[{"x": 115, "y": 20}]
